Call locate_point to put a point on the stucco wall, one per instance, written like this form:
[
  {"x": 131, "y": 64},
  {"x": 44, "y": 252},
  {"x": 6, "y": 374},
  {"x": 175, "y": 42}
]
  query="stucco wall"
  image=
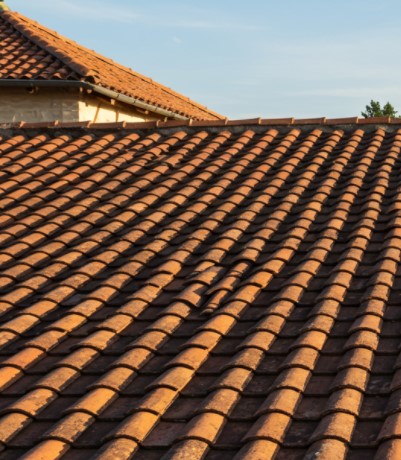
[
  {"x": 47, "y": 105},
  {"x": 63, "y": 105}
]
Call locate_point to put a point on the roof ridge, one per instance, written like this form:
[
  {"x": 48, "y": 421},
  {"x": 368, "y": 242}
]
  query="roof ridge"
[
  {"x": 21, "y": 24},
  {"x": 209, "y": 123}
]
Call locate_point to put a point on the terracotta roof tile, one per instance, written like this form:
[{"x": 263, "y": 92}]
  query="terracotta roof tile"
[
  {"x": 33, "y": 52},
  {"x": 329, "y": 449},
  {"x": 258, "y": 450},
  {"x": 49, "y": 449},
  {"x": 186, "y": 450},
  {"x": 270, "y": 427},
  {"x": 198, "y": 298},
  {"x": 118, "y": 448},
  {"x": 70, "y": 427}
]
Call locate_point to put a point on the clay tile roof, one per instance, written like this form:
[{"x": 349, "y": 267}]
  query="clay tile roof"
[
  {"x": 193, "y": 292},
  {"x": 30, "y": 51}
]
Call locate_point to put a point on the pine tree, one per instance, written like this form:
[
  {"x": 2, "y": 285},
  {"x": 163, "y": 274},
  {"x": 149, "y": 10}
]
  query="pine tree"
[{"x": 375, "y": 110}]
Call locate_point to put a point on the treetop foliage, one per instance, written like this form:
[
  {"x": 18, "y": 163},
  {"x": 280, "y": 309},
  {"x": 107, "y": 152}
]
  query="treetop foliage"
[{"x": 376, "y": 110}]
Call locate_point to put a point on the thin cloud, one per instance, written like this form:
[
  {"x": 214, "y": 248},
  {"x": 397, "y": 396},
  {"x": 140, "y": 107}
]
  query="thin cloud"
[
  {"x": 97, "y": 11},
  {"x": 350, "y": 92},
  {"x": 208, "y": 25},
  {"x": 91, "y": 11}
]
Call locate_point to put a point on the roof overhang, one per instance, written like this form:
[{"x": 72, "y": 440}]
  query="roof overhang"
[{"x": 92, "y": 87}]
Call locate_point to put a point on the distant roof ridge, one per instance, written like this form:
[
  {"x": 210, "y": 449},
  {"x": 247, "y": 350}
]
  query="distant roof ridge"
[{"x": 28, "y": 27}]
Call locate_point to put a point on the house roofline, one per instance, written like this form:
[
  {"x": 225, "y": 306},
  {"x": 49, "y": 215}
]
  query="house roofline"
[{"x": 96, "y": 88}]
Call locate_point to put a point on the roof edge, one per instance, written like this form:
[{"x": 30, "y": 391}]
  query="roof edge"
[
  {"x": 267, "y": 122},
  {"x": 98, "y": 89}
]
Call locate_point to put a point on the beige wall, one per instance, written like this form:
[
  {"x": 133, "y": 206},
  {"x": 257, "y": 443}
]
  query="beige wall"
[
  {"x": 63, "y": 105},
  {"x": 99, "y": 110}
]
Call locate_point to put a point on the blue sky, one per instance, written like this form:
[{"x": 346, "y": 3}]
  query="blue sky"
[{"x": 246, "y": 59}]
